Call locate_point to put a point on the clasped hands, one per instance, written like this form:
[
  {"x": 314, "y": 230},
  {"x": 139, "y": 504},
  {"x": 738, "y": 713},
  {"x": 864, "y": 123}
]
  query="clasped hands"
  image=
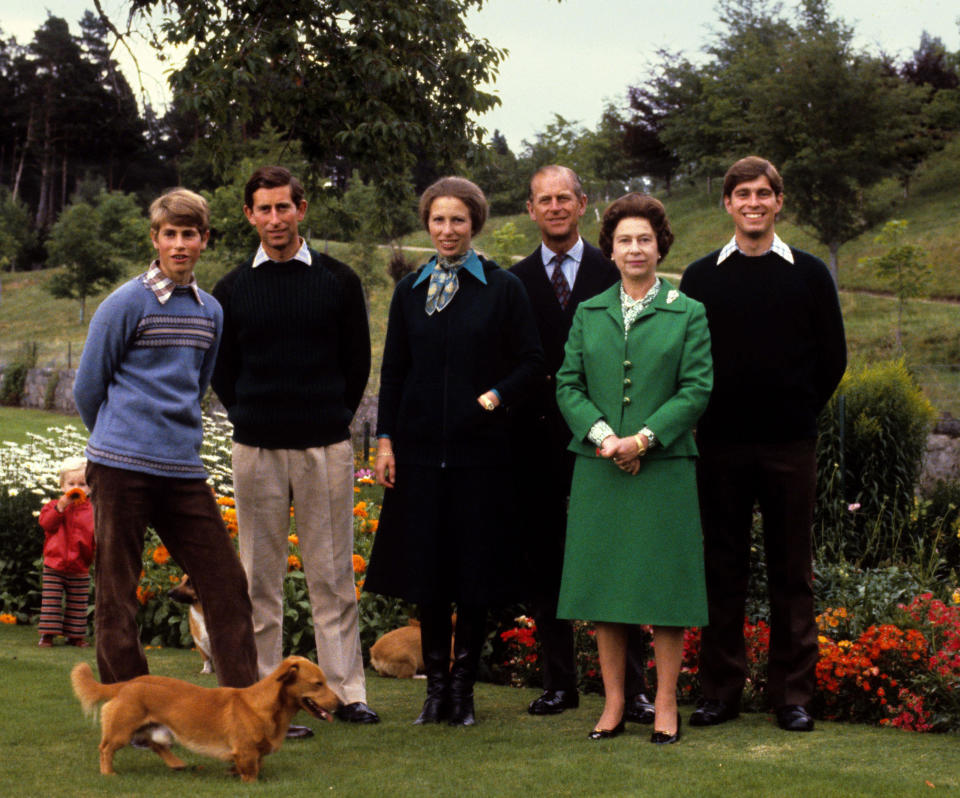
[
  {"x": 385, "y": 469},
  {"x": 625, "y": 452}
]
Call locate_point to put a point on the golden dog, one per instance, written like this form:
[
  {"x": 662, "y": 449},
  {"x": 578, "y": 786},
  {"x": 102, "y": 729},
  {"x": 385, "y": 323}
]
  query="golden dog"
[
  {"x": 237, "y": 724},
  {"x": 399, "y": 653},
  {"x": 185, "y": 593}
]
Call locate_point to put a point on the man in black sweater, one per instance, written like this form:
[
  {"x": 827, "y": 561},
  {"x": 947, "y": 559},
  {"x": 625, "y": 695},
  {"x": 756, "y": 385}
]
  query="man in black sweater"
[
  {"x": 556, "y": 203},
  {"x": 292, "y": 367},
  {"x": 778, "y": 353}
]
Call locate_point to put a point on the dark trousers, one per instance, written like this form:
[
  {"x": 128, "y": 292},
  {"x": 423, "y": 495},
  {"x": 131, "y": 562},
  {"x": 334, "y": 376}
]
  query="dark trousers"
[
  {"x": 781, "y": 479},
  {"x": 185, "y": 516}
]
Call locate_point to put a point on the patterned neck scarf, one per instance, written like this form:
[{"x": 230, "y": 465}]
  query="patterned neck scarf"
[
  {"x": 632, "y": 308},
  {"x": 444, "y": 282}
]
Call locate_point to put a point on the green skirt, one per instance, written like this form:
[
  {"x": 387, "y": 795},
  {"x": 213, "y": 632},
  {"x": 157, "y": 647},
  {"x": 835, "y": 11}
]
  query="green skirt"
[{"x": 634, "y": 548}]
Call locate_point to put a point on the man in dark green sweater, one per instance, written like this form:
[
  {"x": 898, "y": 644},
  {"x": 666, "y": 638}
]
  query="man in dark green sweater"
[
  {"x": 293, "y": 364},
  {"x": 778, "y": 353}
]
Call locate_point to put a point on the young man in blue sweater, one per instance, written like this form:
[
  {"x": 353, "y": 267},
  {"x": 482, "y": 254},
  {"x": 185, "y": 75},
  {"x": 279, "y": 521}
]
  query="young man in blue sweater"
[{"x": 146, "y": 364}]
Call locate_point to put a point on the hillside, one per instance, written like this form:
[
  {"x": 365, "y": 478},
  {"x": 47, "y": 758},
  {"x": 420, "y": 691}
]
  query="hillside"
[{"x": 932, "y": 329}]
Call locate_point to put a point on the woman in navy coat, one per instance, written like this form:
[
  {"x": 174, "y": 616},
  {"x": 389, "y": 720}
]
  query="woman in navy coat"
[{"x": 461, "y": 346}]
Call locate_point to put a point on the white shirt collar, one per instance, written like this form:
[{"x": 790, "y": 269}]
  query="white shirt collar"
[
  {"x": 303, "y": 255},
  {"x": 777, "y": 248},
  {"x": 575, "y": 252}
]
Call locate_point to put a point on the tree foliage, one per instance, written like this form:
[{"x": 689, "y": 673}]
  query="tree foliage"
[
  {"x": 903, "y": 266},
  {"x": 89, "y": 263},
  {"x": 366, "y": 86},
  {"x": 835, "y": 120}
]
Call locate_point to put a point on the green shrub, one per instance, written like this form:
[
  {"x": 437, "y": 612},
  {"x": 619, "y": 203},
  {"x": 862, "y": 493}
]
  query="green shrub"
[
  {"x": 873, "y": 435},
  {"x": 21, "y": 552}
]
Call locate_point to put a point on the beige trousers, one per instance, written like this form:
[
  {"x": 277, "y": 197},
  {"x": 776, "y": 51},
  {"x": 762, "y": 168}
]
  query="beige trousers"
[{"x": 320, "y": 482}]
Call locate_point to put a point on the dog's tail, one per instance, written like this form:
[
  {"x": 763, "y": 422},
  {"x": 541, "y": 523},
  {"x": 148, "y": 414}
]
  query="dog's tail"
[{"x": 89, "y": 690}]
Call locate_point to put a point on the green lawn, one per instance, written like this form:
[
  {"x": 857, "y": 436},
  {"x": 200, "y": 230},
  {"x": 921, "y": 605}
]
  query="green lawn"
[
  {"x": 50, "y": 749},
  {"x": 17, "y": 422}
]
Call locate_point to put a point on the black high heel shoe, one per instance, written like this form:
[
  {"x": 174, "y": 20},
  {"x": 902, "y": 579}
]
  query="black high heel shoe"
[
  {"x": 606, "y": 734},
  {"x": 664, "y": 738}
]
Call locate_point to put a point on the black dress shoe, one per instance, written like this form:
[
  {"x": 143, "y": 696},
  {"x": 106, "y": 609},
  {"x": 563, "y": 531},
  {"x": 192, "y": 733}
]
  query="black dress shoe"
[
  {"x": 606, "y": 734},
  {"x": 357, "y": 712},
  {"x": 553, "y": 702},
  {"x": 665, "y": 738},
  {"x": 711, "y": 712},
  {"x": 794, "y": 718},
  {"x": 639, "y": 709},
  {"x": 299, "y": 732}
]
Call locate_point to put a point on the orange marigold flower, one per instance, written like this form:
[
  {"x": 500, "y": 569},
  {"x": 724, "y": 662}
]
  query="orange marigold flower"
[
  {"x": 291, "y": 511},
  {"x": 372, "y": 525},
  {"x": 143, "y": 594},
  {"x": 226, "y": 501},
  {"x": 360, "y": 510},
  {"x": 356, "y": 489},
  {"x": 161, "y": 555},
  {"x": 293, "y": 563},
  {"x": 359, "y": 564},
  {"x": 7, "y": 618},
  {"x": 294, "y": 539}
]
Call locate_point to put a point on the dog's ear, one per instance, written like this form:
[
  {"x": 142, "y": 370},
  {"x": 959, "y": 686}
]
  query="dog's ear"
[{"x": 289, "y": 674}]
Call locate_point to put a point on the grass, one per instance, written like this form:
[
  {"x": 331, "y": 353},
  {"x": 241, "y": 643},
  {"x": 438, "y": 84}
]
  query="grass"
[
  {"x": 50, "y": 749},
  {"x": 17, "y": 422}
]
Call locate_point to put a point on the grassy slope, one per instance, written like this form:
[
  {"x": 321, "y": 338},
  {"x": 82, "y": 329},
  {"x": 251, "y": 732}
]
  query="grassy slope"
[
  {"x": 50, "y": 750},
  {"x": 932, "y": 332}
]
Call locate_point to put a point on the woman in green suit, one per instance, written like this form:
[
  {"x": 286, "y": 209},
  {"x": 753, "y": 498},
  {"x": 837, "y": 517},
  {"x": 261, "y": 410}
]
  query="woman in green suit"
[{"x": 636, "y": 376}]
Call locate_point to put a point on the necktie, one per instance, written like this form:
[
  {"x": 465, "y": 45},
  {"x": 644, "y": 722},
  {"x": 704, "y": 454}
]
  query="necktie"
[{"x": 560, "y": 285}]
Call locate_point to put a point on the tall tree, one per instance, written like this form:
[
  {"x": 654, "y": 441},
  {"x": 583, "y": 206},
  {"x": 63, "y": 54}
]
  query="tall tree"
[
  {"x": 372, "y": 83},
  {"x": 89, "y": 264},
  {"x": 826, "y": 115}
]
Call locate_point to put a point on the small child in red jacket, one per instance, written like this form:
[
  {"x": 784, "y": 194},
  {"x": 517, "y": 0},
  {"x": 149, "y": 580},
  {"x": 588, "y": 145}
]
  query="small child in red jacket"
[{"x": 67, "y": 555}]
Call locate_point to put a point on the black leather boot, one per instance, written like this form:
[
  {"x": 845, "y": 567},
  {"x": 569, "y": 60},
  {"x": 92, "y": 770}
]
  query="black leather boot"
[
  {"x": 467, "y": 645},
  {"x": 435, "y": 632}
]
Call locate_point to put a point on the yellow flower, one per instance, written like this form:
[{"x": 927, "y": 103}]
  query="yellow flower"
[
  {"x": 955, "y": 598},
  {"x": 7, "y": 618}
]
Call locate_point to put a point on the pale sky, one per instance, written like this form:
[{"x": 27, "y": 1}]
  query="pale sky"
[{"x": 571, "y": 57}]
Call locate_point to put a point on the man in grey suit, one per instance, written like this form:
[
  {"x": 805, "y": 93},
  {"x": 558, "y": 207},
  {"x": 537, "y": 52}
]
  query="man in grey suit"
[{"x": 563, "y": 271}]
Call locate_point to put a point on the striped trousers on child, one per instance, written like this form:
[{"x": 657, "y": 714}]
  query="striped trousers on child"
[{"x": 53, "y": 619}]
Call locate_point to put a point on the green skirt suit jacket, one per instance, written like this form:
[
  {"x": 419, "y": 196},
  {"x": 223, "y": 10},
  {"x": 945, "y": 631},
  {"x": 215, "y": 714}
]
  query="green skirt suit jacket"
[{"x": 634, "y": 547}]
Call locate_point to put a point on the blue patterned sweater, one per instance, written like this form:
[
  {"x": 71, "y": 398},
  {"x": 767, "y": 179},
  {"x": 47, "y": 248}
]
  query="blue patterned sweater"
[{"x": 144, "y": 368}]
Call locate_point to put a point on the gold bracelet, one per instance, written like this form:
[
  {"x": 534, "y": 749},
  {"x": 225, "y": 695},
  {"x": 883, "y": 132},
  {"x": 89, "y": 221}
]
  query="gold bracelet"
[
  {"x": 384, "y": 454},
  {"x": 641, "y": 449}
]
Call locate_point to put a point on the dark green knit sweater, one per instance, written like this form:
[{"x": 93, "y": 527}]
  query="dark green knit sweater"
[{"x": 295, "y": 354}]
